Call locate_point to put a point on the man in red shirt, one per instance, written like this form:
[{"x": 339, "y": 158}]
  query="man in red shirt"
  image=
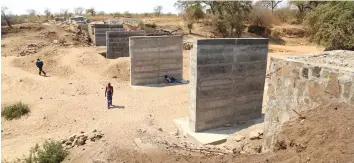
[{"x": 109, "y": 93}]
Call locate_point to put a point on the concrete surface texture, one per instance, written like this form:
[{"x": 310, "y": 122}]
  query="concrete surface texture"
[
  {"x": 227, "y": 81},
  {"x": 214, "y": 136},
  {"x": 118, "y": 43},
  {"x": 100, "y": 32},
  {"x": 153, "y": 57},
  {"x": 306, "y": 82}
]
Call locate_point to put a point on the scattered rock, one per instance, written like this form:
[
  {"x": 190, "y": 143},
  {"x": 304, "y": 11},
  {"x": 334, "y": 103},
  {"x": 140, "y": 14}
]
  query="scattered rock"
[
  {"x": 75, "y": 142},
  {"x": 256, "y": 134},
  {"x": 82, "y": 132},
  {"x": 302, "y": 121},
  {"x": 160, "y": 129},
  {"x": 72, "y": 137},
  {"x": 174, "y": 133},
  {"x": 81, "y": 141},
  {"x": 187, "y": 45},
  {"x": 68, "y": 142},
  {"x": 251, "y": 149},
  {"x": 239, "y": 138},
  {"x": 227, "y": 125},
  {"x": 141, "y": 130},
  {"x": 41, "y": 98},
  {"x": 94, "y": 129}
]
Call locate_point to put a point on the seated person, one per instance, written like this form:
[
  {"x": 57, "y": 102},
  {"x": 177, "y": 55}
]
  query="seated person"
[{"x": 169, "y": 79}]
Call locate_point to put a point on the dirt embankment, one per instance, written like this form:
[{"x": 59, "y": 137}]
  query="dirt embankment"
[{"x": 325, "y": 135}]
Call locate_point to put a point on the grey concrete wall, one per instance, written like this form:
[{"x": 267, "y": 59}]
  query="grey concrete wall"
[
  {"x": 118, "y": 43},
  {"x": 227, "y": 81},
  {"x": 100, "y": 32},
  {"x": 152, "y": 57},
  {"x": 303, "y": 83}
]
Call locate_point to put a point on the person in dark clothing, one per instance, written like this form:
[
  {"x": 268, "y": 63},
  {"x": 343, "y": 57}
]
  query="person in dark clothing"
[
  {"x": 39, "y": 64},
  {"x": 169, "y": 79},
  {"x": 109, "y": 94}
]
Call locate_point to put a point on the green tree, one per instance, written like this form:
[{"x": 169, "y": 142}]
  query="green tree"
[
  {"x": 332, "y": 25},
  {"x": 231, "y": 16},
  {"x": 192, "y": 14}
]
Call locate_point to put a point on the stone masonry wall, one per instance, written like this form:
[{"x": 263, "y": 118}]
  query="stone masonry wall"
[
  {"x": 297, "y": 85},
  {"x": 152, "y": 57},
  {"x": 100, "y": 32},
  {"x": 118, "y": 43},
  {"x": 227, "y": 81}
]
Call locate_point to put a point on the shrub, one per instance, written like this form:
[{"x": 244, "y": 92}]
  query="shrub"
[
  {"x": 14, "y": 111},
  {"x": 287, "y": 15},
  {"x": 332, "y": 25},
  {"x": 51, "y": 152},
  {"x": 261, "y": 17}
]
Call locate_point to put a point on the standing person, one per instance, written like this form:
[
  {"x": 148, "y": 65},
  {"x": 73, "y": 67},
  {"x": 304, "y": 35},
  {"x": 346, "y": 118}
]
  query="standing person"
[
  {"x": 39, "y": 64},
  {"x": 109, "y": 94}
]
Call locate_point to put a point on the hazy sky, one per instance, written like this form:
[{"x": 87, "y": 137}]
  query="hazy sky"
[{"x": 108, "y": 6}]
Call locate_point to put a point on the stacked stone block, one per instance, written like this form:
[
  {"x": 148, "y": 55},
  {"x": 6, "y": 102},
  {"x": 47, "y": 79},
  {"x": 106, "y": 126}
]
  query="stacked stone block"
[
  {"x": 100, "y": 32},
  {"x": 227, "y": 81},
  {"x": 152, "y": 57},
  {"x": 302, "y": 83},
  {"x": 118, "y": 43}
]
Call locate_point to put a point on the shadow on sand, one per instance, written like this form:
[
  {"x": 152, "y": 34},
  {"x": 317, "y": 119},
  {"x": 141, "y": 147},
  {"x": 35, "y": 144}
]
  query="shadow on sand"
[{"x": 117, "y": 107}]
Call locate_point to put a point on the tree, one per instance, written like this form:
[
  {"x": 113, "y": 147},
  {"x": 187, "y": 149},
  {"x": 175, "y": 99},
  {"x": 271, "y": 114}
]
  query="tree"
[
  {"x": 64, "y": 12},
  {"x": 272, "y": 4},
  {"x": 332, "y": 25},
  {"x": 192, "y": 12},
  {"x": 231, "y": 16},
  {"x": 3, "y": 13},
  {"x": 78, "y": 10},
  {"x": 91, "y": 11},
  {"x": 47, "y": 13},
  {"x": 305, "y": 6},
  {"x": 31, "y": 12},
  {"x": 101, "y": 13},
  {"x": 158, "y": 10}
]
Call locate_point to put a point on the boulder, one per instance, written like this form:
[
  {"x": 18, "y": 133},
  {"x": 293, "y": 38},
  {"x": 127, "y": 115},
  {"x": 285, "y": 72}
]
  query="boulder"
[
  {"x": 239, "y": 138},
  {"x": 256, "y": 134}
]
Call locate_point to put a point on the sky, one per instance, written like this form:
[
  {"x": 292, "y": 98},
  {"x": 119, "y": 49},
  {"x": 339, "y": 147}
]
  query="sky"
[{"x": 108, "y": 6}]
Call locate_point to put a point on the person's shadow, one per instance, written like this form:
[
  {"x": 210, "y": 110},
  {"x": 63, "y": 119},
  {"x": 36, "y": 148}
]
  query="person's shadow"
[{"x": 116, "y": 107}]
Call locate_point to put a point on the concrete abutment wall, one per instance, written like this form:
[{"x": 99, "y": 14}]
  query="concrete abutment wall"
[
  {"x": 152, "y": 57},
  {"x": 100, "y": 32},
  {"x": 302, "y": 83},
  {"x": 227, "y": 81},
  {"x": 118, "y": 43}
]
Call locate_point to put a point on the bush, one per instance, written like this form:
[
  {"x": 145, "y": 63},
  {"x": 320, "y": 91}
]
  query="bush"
[
  {"x": 14, "y": 111},
  {"x": 287, "y": 15},
  {"x": 261, "y": 17},
  {"x": 51, "y": 152},
  {"x": 332, "y": 25}
]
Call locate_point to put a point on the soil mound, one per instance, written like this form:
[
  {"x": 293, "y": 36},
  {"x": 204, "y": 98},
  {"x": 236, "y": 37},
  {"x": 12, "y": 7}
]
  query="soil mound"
[
  {"x": 120, "y": 70},
  {"x": 326, "y": 134}
]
